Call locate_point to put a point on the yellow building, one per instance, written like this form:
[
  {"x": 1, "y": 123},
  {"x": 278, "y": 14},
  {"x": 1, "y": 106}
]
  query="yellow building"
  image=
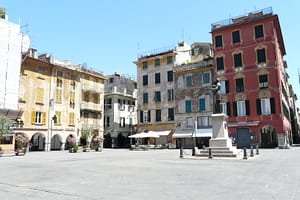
[
  {"x": 35, "y": 79},
  {"x": 58, "y": 101}
]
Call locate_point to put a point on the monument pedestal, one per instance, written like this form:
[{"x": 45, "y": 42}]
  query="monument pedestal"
[{"x": 220, "y": 144}]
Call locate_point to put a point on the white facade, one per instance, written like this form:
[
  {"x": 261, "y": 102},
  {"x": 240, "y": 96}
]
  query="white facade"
[{"x": 10, "y": 63}]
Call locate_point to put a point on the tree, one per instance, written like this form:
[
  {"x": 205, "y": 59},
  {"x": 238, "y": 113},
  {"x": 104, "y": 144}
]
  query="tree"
[{"x": 5, "y": 124}]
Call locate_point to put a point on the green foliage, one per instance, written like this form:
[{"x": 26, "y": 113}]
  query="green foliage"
[{"x": 5, "y": 123}]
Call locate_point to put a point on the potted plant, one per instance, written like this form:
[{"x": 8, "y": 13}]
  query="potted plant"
[
  {"x": 21, "y": 142},
  {"x": 1, "y": 152},
  {"x": 84, "y": 139},
  {"x": 72, "y": 144},
  {"x": 96, "y": 142}
]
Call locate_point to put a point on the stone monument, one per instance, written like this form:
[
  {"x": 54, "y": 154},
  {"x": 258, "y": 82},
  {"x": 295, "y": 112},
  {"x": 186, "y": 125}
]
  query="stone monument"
[{"x": 220, "y": 144}]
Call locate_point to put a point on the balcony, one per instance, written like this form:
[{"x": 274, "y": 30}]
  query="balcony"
[
  {"x": 92, "y": 87},
  {"x": 90, "y": 106}
]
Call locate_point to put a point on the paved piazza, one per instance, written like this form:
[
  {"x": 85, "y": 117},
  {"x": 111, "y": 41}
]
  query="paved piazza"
[{"x": 154, "y": 174}]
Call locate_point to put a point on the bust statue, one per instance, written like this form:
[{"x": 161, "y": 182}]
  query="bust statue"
[{"x": 215, "y": 88}]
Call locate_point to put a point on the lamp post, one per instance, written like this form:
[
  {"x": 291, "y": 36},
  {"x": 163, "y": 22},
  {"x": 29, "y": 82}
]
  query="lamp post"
[
  {"x": 53, "y": 119},
  {"x": 194, "y": 139}
]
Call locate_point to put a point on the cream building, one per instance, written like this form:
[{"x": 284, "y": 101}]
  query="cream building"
[
  {"x": 120, "y": 117},
  {"x": 91, "y": 103},
  {"x": 155, "y": 84}
]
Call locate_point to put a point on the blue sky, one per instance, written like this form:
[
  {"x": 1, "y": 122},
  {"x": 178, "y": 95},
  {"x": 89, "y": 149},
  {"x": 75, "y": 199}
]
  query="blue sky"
[{"x": 108, "y": 34}]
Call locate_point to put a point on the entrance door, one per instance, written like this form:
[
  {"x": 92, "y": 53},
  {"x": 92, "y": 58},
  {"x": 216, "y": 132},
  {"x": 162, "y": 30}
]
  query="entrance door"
[{"x": 243, "y": 138}]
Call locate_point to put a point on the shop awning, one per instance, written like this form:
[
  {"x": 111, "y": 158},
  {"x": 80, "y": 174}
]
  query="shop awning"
[
  {"x": 183, "y": 134},
  {"x": 144, "y": 135},
  {"x": 160, "y": 133},
  {"x": 204, "y": 132}
]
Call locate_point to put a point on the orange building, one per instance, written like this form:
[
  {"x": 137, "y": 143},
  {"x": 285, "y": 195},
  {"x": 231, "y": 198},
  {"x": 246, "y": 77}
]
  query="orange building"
[{"x": 248, "y": 55}]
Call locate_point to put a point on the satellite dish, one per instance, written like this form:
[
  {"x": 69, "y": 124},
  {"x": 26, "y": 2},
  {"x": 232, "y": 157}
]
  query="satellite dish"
[{"x": 25, "y": 44}]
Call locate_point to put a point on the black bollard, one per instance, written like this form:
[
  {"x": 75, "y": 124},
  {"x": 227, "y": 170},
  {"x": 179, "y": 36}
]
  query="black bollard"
[
  {"x": 245, "y": 154},
  {"x": 181, "y": 152},
  {"x": 257, "y": 150},
  {"x": 209, "y": 153},
  {"x": 251, "y": 152}
]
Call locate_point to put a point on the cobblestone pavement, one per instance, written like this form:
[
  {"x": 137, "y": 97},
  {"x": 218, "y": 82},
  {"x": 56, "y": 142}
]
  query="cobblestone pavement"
[{"x": 153, "y": 174}]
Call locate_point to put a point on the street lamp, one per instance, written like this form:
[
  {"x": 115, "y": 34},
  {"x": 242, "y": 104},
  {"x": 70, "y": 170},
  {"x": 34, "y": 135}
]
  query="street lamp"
[{"x": 53, "y": 119}]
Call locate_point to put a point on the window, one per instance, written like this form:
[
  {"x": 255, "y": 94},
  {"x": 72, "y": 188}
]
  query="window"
[
  {"x": 58, "y": 96},
  {"x": 145, "y": 80},
  {"x": 58, "y": 83},
  {"x": 107, "y": 121},
  {"x": 170, "y": 76},
  {"x": 158, "y": 115},
  {"x": 224, "y": 87},
  {"x": 218, "y": 41},
  {"x": 206, "y": 77},
  {"x": 220, "y": 63},
  {"x": 169, "y": 59},
  {"x": 71, "y": 119},
  {"x": 145, "y": 65},
  {"x": 109, "y": 103},
  {"x": 147, "y": 116},
  {"x": 188, "y": 81},
  {"x": 263, "y": 81},
  {"x": 111, "y": 80},
  {"x": 265, "y": 106},
  {"x": 259, "y": 31},
  {"x": 96, "y": 98},
  {"x": 223, "y": 108},
  {"x": 157, "y": 97},
  {"x": 38, "y": 117},
  {"x": 39, "y": 95},
  {"x": 203, "y": 121},
  {"x": 261, "y": 56},
  {"x": 157, "y": 78},
  {"x": 188, "y": 106},
  {"x": 157, "y": 62},
  {"x": 241, "y": 108},
  {"x": 239, "y": 84},
  {"x": 122, "y": 122},
  {"x": 236, "y": 37},
  {"x": 189, "y": 122},
  {"x": 145, "y": 97},
  {"x": 170, "y": 114},
  {"x": 238, "y": 60},
  {"x": 58, "y": 117},
  {"x": 73, "y": 85},
  {"x": 202, "y": 104},
  {"x": 170, "y": 94}
]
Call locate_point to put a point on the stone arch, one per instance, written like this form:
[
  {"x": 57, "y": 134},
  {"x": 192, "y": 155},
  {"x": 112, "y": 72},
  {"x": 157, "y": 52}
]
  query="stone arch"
[
  {"x": 56, "y": 142},
  {"x": 107, "y": 141},
  {"x": 38, "y": 142},
  {"x": 268, "y": 136},
  {"x": 121, "y": 141}
]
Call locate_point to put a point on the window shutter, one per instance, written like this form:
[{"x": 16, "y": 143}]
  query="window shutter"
[
  {"x": 228, "y": 109},
  {"x": 227, "y": 86},
  {"x": 258, "y": 106},
  {"x": 234, "y": 108},
  {"x": 33, "y": 115},
  {"x": 44, "y": 118},
  {"x": 141, "y": 116},
  {"x": 247, "y": 107},
  {"x": 272, "y": 102},
  {"x": 149, "y": 115}
]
